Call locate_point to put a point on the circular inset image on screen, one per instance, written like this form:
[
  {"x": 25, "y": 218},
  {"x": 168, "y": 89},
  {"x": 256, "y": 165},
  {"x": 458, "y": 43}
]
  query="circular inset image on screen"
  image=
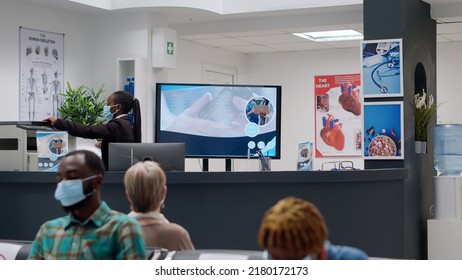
[
  {"x": 261, "y": 145},
  {"x": 53, "y": 157},
  {"x": 271, "y": 144},
  {"x": 251, "y": 145},
  {"x": 56, "y": 146},
  {"x": 259, "y": 110},
  {"x": 252, "y": 129}
]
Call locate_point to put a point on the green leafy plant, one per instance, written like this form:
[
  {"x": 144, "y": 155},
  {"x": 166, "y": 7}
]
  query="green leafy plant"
[
  {"x": 424, "y": 112},
  {"x": 81, "y": 105}
]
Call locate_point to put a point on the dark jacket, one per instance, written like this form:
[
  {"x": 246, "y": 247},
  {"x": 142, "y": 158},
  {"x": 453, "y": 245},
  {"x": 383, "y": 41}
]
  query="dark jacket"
[{"x": 116, "y": 130}]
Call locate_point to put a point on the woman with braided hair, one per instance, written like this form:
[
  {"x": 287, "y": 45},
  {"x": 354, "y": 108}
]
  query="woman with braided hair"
[
  {"x": 294, "y": 229},
  {"x": 119, "y": 127}
]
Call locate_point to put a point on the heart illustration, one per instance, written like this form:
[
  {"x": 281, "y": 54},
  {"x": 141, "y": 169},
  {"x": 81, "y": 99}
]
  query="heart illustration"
[
  {"x": 332, "y": 133},
  {"x": 349, "y": 99}
]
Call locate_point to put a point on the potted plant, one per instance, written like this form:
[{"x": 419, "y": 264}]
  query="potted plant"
[
  {"x": 424, "y": 113},
  {"x": 82, "y": 105}
]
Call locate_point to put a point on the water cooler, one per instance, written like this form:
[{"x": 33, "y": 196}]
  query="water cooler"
[
  {"x": 445, "y": 230},
  {"x": 448, "y": 163}
]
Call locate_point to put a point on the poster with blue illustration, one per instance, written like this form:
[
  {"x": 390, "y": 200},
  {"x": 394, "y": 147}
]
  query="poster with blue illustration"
[
  {"x": 381, "y": 65},
  {"x": 383, "y": 130},
  {"x": 305, "y": 156},
  {"x": 51, "y": 147}
]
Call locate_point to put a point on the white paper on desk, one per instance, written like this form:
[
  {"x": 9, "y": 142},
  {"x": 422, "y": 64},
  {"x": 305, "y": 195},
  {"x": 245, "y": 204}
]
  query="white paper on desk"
[
  {"x": 9, "y": 251},
  {"x": 220, "y": 256}
]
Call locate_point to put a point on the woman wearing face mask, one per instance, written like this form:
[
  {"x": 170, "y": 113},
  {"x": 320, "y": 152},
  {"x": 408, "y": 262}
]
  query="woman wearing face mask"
[{"x": 117, "y": 129}]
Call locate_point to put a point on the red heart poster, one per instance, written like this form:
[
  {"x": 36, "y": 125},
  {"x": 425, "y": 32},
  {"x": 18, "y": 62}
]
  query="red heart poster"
[{"x": 338, "y": 115}]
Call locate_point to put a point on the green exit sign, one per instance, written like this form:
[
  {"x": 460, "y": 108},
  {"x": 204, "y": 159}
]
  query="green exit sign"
[{"x": 170, "y": 48}]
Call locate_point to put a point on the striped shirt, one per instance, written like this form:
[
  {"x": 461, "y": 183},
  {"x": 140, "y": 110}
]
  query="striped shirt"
[{"x": 106, "y": 235}]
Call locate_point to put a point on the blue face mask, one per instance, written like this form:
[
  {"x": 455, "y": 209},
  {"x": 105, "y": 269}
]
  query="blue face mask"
[
  {"x": 70, "y": 192},
  {"x": 108, "y": 115}
]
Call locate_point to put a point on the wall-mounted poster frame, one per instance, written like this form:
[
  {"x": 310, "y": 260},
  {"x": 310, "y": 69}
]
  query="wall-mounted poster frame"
[
  {"x": 383, "y": 130},
  {"x": 382, "y": 74},
  {"x": 338, "y": 115},
  {"x": 41, "y": 73}
]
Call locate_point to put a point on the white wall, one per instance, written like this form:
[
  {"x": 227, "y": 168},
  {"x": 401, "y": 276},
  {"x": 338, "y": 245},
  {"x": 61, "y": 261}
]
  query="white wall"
[
  {"x": 448, "y": 74},
  {"x": 295, "y": 72},
  {"x": 122, "y": 36},
  {"x": 190, "y": 59},
  {"x": 114, "y": 36},
  {"x": 92, "y": 46},
  {"x": 298, "y": 83},
  {"x": 94, "y": 43},
  {"x": 77, "y": 48}
]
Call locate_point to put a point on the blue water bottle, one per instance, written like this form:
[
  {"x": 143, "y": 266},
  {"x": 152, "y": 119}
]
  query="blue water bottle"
[
  {"x": 132, "y": 86},
  {"x": 448, "y": 149},
  {"x": 127, "y": 85}
]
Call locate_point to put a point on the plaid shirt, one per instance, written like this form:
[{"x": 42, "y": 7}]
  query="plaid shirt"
[{"x": 107, "y": 234}]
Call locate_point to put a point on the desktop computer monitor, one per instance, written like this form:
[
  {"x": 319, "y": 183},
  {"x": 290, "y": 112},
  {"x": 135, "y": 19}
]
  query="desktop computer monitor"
[{"x": 170, "y": 156}]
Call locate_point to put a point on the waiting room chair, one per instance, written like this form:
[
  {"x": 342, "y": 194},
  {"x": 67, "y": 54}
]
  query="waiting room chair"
[{"x": 215, "y": 254}]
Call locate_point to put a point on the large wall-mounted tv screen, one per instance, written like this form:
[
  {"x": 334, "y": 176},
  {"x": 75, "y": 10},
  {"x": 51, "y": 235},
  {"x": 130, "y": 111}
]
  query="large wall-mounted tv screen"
[{"x": 220, "y": 121}]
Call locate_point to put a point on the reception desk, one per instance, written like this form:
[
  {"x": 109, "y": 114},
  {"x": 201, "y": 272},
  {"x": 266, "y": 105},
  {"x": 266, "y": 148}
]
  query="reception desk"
[{"x": 223, "y": 210}]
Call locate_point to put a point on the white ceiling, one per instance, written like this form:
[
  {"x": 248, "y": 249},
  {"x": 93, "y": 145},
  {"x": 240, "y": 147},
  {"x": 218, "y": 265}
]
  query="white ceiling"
[
  {"x": 262, "y": 26},
  {"x": 250, "y": 37},
  {"x": 273, "y": 32}
]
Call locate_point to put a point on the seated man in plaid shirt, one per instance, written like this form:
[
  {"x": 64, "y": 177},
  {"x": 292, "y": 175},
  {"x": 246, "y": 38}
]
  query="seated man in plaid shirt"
[{"x": 91, "y": 230}]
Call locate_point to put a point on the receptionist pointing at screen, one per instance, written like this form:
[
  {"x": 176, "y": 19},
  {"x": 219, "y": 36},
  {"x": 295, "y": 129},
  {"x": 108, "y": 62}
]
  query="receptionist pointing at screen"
[{"x": 117, "y": 129}]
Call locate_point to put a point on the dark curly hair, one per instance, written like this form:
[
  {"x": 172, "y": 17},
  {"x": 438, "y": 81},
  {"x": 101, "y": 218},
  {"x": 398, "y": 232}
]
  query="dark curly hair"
[{"x": 292, "y": 229}]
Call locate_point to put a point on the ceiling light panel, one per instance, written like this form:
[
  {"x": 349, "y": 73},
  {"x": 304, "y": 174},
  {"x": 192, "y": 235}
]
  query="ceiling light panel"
[{"x": 333, "y": 35}]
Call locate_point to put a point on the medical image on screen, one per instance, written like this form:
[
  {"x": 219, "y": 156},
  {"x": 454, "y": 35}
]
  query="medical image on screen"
[
  {"x": 259, "y": 110},
  {"x": 219, "y": 120}
]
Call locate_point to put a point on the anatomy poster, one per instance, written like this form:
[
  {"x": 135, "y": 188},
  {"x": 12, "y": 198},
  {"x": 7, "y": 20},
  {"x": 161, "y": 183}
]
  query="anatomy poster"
[
  {"x": 383, "y": 130},
  {"x": 382, "y": 71},
  {"x": 41, "y": 74},
  {"x": 338, "y": 115}
]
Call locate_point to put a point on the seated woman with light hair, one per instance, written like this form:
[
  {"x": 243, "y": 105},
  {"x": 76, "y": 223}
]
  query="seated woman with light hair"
[
  {"x": 294, "y": 229},
  {"x": 146, "y": 189}
]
